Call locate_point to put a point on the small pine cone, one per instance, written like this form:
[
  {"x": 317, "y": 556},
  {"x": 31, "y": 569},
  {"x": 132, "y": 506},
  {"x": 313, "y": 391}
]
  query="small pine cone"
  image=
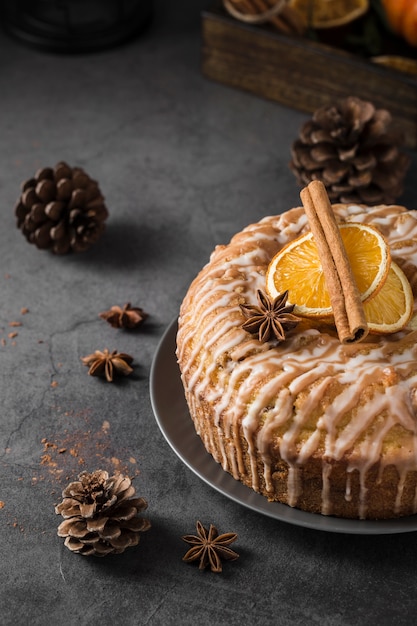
[
  {"x": 349, "y": 147},
  {"x": 101, "y": 514},
  {"x": 61, "y": 209}
]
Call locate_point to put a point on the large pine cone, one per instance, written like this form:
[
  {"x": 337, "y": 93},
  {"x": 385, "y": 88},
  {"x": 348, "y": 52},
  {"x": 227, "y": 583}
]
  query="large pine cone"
[
  {"x": 61, "y": 209},
  {"x": 349, "y": 147},
  {"x": 101, "y": 514}
]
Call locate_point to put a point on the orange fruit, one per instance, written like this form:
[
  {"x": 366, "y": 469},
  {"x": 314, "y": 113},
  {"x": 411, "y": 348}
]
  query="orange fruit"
[
  {"x": 392, "y": 307},
  {"x": 402, "y": 18},
  {"x": 329, "y": 13},
  {"x": 297, "y": 268},
  {"x": 395, "y": 11},
  {"x": 409, "y": 25}
]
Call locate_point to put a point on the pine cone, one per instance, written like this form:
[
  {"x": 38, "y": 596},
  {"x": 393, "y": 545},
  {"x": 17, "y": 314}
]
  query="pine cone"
[
  {"x": 101, "y": 514},
  {"x": 61, "y": 209},
  {"x": 349, "y": 147}
]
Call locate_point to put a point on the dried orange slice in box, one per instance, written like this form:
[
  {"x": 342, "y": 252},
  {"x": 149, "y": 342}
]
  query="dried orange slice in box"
[
  {"x": 392, "y": 307},
  {"x": 329, "y": 13},
  {"x": 297, "y": 268},
  {"x": 401, "y": 64}
]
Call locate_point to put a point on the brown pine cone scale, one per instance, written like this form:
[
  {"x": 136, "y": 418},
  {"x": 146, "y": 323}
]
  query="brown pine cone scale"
[{"x": 61, "y": 209}]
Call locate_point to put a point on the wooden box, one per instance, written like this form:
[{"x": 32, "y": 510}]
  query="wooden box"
[{"x": 301, "y": 73}]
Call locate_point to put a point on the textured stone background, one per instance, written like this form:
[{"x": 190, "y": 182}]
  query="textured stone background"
[{"x": 183, "y": 163}]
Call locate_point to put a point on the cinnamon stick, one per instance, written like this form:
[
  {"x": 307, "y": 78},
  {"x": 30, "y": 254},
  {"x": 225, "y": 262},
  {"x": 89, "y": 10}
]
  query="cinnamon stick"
[{"x": 345, "y": 299}]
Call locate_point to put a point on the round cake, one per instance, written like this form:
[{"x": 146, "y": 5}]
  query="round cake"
[{"x": 326, "y": 427}]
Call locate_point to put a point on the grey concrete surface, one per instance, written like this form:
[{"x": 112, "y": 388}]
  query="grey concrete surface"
[{"x": 183, "y": 163}]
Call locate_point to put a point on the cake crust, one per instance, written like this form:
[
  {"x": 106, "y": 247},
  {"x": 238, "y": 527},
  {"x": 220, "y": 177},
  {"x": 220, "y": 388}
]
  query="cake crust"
[{"x": 312, "y": 423}]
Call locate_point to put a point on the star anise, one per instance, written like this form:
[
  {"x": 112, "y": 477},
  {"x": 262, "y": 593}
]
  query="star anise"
[
  {"x": 271, "y": 318},
  {"x": 209, "y": 548},
  {"x": 108, "y": 364},
  {"x": 124, "y": 317}
]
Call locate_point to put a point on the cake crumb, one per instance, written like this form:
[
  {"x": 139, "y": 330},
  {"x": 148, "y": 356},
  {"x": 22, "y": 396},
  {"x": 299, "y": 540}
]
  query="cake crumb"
[
  {"x": 67, "y": 453},
  {"x": 46, "y": 459}
]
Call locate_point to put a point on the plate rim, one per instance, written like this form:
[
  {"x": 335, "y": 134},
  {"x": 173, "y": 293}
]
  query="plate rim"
[{"x": 224, "y": 483}]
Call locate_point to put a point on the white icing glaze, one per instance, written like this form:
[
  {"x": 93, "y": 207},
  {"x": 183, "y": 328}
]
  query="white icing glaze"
[{"x": 271, "y": 389}]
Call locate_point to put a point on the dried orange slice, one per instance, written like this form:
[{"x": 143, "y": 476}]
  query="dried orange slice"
[
  {"x": 329, "y": 13},
  {"x": 401, "y": 64},
  {"x": 297, "y": 268},
  {"x": 392, "y": 307}
]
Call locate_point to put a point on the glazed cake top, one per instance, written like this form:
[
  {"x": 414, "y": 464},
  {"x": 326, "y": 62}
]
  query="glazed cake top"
[{"x": 310, "y": 395}]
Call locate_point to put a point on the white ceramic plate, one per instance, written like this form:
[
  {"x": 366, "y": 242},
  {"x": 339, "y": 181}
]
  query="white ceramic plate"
[{"x": 173, "y": 418}]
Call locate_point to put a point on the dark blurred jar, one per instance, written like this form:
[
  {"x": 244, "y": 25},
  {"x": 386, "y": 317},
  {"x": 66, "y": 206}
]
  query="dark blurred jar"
[{"x": 75, "y": 25}]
